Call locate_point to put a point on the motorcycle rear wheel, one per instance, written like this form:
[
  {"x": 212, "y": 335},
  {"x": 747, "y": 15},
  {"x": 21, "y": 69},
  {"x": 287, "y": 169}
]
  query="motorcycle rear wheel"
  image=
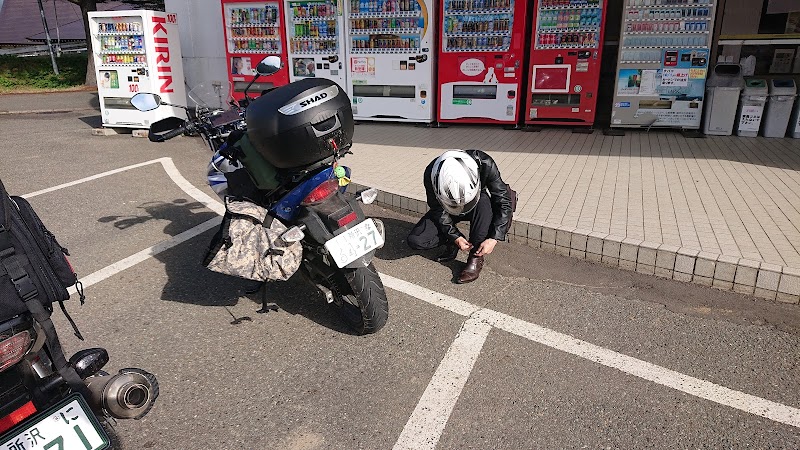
[{"x": 361, "y": 299}]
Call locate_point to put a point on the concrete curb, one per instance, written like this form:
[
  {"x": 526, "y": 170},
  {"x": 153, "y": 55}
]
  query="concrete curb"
[
  {"x": 760, "y": 279},
  {"x": 47, "y": 111}
]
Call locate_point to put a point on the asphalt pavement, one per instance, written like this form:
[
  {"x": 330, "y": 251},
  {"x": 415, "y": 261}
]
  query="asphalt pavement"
[{"x": 571, "y": 354}]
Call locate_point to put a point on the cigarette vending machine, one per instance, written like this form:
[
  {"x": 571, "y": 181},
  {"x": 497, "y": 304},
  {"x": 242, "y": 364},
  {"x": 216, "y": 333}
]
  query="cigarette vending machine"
[
  {"x": 391, "y": 59},
  {"x": 564, "y": 73},
  {"x": 663, "y": 63},
  {"x": 481, "y": 60},
  {"x": 136, "y": 51},
  {"x": 253, "y": 30},
  {"x": 316, "y": 40}
]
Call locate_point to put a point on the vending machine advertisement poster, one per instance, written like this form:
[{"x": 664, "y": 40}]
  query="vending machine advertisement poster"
[
  {"x": 564, "y": 71},
  {"x": 663, "y": 64},
  {"x": 391, "y": 59},
  {"x": 253, "y": 30},
  {"x": 136, "y": 51},
  {"x": 316, "y": 40},
  {"x": 481, "y": 60}
]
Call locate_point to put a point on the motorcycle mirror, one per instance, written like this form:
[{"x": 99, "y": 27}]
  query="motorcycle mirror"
[
  {"x": 368, "y": 196},
  {"x": 293, "y": 234},
  {"x": 269, "y": 65},
  {"x": 145, "y": 102}
]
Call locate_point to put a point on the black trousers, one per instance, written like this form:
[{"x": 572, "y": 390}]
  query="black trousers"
[{"x": 425, "y": 234}]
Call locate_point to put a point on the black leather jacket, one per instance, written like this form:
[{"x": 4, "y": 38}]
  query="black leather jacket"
[{"x": 491, "y": 182}]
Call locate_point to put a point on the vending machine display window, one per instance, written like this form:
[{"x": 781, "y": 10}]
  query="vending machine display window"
[
  {"x": 252, "y": 30},
  {"x": 315, "y": 29},
  {"x": 552, "y": 79}
]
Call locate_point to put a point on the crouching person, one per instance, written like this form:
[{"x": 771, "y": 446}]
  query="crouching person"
[{"x": 463, "y": 186}]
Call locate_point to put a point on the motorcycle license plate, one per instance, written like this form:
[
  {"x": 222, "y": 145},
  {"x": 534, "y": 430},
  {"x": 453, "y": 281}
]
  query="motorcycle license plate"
[
  {"x": 354, "y": 243},
  {"x": 66, "y": 426}
]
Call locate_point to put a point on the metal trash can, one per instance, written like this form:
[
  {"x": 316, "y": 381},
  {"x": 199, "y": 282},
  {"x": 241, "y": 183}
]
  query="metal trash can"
[
  {"x": 722, "y": 95},
  {"x": 751, "y": 108},
  {"x": 782, "y": 92}
]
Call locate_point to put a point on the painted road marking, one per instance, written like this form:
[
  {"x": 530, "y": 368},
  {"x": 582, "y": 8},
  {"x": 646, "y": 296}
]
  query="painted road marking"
[
  {"x": 609, "y": 358},
  {"x": 423, "y": 422},
  {"x": 434, "y": 408}
]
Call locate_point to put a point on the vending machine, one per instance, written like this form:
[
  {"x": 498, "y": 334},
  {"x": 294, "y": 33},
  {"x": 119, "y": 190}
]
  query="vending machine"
[
  {"x": 481, "y": 60},
  {"x": 391, "y": 59},
  {"x": 663, "y": 63},
  {"x": 316, "y": 40},
  {"x": 136, "y": 51},
  {"x": 253, "y": 30},
  {"x": 566, "y": 47}
]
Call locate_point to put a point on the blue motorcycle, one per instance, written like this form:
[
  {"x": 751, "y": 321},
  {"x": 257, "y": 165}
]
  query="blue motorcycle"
[{"x": 306, "y": 192}]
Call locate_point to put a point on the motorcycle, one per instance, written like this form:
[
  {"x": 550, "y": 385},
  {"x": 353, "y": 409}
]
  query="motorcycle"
[
  {"x": 338, "y": 240},
  {"x": 39, "y": 409}
]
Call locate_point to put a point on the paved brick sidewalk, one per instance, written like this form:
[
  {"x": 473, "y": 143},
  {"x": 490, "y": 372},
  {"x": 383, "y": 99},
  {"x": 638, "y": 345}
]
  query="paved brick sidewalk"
[{"x": 722, "y": 211}]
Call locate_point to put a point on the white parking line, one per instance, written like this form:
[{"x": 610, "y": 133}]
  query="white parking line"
[
  {"x": 434, "y": 408},
  {"x": 609, "y": 358}
]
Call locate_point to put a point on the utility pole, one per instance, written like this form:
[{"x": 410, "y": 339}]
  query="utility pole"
[{"x": 47, "y": 35}]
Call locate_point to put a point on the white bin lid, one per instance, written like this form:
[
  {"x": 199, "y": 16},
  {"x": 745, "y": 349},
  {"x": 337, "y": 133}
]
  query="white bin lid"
[{"x": 782, "y": 86}]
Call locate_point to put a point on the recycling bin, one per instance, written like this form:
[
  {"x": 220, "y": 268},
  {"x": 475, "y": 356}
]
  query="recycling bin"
[
  {"x": 782, "y": 92},
  {"x": 794, "y": 122},
  {"x": 751, "y": 108},
  {"x": 722, "y": 95}
]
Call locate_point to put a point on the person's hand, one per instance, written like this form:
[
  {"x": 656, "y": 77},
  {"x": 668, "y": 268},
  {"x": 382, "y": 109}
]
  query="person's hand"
[
  {"x": 486, "y": 247},
  {"x": 463, "y": 244}
]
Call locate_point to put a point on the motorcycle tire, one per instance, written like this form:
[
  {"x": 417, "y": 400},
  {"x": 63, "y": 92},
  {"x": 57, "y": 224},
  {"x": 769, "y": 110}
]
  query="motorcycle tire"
[{"x": 362, "y": 299}]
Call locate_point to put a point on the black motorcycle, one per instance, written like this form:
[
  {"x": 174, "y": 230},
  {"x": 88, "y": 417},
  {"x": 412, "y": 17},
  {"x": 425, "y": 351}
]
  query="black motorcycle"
[
  {"x": 310, "y": 197},
  {"x": 39, "y": 409}
]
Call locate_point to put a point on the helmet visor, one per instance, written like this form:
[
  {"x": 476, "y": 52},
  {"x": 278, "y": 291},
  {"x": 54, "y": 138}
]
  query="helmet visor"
[{"x": 458, "y": 209}]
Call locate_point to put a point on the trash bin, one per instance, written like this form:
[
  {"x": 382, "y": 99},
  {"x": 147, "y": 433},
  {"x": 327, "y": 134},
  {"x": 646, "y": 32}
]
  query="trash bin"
[
  {"x": 751, "y": 109},
  {"x": 779, "y": 107},
  {"x": 794, "y": 123},
  {"x": 722, "y": 95}
]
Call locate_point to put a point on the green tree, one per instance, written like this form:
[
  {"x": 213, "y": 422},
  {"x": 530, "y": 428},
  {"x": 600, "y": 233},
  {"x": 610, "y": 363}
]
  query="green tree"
[{"x": 88, "y": 6}]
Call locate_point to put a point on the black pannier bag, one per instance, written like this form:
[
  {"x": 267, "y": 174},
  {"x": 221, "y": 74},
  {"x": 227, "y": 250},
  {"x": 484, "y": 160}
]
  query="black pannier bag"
[{"x": 34, "y": 273}]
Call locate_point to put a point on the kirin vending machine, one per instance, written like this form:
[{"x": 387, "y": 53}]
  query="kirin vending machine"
[
  {"x": 565, "y": 57},
  {"x": 391, "y": 60},
  {"x": 253, "y": 31},
  {"x": 481, "y": 60},
  {"x": 136, "y": 51},
  {"x": 663, "y": 63},
  {"x": 316, "y": 40}
]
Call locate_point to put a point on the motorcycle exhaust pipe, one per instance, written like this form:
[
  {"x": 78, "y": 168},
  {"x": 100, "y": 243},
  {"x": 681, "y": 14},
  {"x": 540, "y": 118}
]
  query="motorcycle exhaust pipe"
[{"x": 130, "y": 394}]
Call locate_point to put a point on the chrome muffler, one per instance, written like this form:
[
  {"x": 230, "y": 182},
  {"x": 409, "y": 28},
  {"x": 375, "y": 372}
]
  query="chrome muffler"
[{"x": 130, "y": 394}]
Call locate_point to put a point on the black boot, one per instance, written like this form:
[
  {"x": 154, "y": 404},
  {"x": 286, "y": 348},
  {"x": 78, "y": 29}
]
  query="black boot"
[{"x": 450, "y": 253}]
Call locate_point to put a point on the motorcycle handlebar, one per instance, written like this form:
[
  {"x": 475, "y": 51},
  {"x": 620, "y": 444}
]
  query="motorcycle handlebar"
[{"x": 154, "y": 137}]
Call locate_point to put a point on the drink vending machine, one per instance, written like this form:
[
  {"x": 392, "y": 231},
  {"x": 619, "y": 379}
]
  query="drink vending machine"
[
  {"x": 566, "y": 50},
  {"x": 253, "y": 30},
  {"x": 391, "y": 59},
  {"x": 316, "y": 40},
  {"x": 481, "y": 60},
  {"x": 663, "y": 63},
  {"x": 136, "y": 51}
]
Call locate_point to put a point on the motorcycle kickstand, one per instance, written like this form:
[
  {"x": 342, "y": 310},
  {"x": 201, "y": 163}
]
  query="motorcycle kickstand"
[{"x": 265, "y": 306}]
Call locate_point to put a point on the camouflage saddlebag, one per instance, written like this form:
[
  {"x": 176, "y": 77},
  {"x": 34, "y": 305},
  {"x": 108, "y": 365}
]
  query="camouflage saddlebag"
[{"x": 248, "y": 245}]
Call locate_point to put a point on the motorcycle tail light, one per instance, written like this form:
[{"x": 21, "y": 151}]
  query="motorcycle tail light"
[
  {"x": 14, "y": 348},
  {"x": 321, "y": 192},
  {"x": 22, "y": 413},
  {"x": 347, "y": 219}
]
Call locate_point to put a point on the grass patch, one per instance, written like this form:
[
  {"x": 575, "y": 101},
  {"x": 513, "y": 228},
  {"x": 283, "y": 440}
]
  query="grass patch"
[{"x": 36, "y": 73}]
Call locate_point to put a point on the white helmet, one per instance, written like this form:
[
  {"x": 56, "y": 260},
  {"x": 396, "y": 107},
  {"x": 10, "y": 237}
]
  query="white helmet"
[{"x": 455, "y": 181}]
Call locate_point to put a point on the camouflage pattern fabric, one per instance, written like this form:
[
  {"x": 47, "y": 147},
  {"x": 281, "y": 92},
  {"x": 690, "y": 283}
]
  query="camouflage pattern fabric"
[{"x": 253, "y": 248}]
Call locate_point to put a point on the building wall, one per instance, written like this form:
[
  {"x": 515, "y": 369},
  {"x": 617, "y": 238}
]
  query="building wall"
[{"x": 202, "y": 40}]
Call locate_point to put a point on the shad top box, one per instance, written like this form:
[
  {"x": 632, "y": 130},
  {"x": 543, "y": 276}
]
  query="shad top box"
[{"x": 301, "y": 123}]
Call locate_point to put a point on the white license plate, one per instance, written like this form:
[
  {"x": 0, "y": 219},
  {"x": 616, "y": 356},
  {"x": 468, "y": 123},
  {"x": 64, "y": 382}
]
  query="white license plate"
[
  {"x": 69, "y": 425},
  {"x": 354, "y": 243}
]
